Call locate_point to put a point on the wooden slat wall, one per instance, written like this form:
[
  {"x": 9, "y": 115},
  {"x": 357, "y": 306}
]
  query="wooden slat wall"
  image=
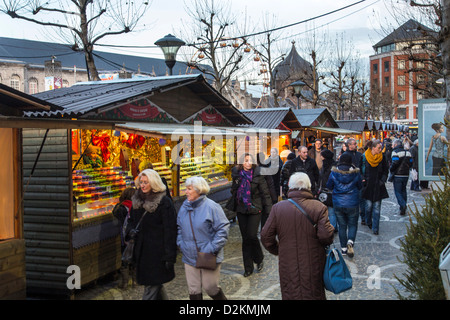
[
  {"x": 12, "y": 269},
  {"x": 47, "y": 221}
]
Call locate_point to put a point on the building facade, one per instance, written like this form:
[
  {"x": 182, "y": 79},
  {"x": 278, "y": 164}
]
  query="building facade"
[{"x": 402, "y": 72}]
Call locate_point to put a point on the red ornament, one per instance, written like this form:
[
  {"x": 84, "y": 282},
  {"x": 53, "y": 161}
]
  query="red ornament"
[{"x": 102, "y": 141}]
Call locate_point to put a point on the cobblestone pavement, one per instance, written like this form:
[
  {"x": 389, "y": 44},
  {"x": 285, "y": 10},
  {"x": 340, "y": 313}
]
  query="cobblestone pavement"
[{"x": 373, "y": 267}]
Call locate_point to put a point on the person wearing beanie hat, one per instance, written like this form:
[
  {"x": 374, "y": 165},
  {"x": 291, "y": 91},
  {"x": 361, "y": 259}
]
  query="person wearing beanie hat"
[
  {"x": 327, "y": 154},
  {"x": 345, "y": 159},
  {"x": 284, "y": 176},
  {"x": 345, "y": 181}
]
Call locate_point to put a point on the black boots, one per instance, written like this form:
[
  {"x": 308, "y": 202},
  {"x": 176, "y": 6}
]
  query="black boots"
[
  {"x": 198, "y": 296},
  {"x": 218, "y": 296}
]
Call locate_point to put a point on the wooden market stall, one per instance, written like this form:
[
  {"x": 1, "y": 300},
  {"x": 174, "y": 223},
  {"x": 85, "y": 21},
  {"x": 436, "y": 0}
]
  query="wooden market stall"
[
  {"x": 282, "y": 119},
  {"x": 12, "y": 242},
  {"x": 92, "y": 153},
  {"x": 319, "y": 124}
]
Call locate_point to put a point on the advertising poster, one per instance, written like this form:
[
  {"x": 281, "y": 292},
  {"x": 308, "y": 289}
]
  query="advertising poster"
[{"x": 432, "y": 138}]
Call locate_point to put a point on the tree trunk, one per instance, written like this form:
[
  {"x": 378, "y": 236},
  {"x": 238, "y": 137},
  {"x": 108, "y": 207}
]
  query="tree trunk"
[{"x": 445, "y": 49}]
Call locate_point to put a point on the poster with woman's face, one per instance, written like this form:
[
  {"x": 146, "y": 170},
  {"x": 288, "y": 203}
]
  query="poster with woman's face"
[{"x": 432, "y": 138}]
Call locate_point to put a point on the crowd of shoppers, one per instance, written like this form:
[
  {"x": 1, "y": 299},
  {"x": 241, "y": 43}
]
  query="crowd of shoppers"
[{"x": 279, "y": 195}]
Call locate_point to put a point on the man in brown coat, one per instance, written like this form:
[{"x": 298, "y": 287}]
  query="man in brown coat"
[{"x": 300, "y": 245}]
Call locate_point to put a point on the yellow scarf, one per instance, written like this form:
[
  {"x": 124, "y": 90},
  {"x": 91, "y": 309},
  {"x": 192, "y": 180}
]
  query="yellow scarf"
[{"x": 373, "y": 160}]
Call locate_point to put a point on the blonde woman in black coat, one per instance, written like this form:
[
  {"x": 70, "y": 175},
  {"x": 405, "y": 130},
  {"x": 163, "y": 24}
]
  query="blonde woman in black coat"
[{"x": 156, "y": 242}]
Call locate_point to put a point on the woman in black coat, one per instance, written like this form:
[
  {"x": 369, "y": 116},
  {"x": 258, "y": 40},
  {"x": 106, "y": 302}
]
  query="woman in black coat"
[
  {"x": 250, "y": 198},
  {"x": 156, "y": 241},
  {"x": 375, "y": 170}
]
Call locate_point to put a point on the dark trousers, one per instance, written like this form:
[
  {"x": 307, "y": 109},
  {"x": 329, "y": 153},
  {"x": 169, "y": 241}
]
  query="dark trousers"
[
  {"x": 155, "y": 292},
  {"x": 251, "y": 247},
  {"x": 400, "y": 184}
]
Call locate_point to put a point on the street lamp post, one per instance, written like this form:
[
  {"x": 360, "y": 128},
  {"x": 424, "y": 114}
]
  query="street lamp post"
[
  {"x": 170, "y": 45},
  {"x": 297, "y": 86}
]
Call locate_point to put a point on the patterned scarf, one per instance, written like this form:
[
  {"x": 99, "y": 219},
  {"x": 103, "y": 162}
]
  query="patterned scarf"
[
  {"x": 243, "y": 191},
  {"x": 373, "y": 160}
]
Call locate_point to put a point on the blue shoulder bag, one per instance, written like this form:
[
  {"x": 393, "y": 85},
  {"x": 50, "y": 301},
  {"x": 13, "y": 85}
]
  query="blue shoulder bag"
[{"x": 336, "y": 276}]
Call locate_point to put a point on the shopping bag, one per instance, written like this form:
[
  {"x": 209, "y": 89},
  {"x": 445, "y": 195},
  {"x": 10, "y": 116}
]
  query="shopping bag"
[
  {"x": 414, "y": 176},
  {"x": 336, "y": 276}
]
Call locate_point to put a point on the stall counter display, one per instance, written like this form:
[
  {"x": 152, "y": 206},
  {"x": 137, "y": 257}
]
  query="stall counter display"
[
  {"x": 96, "y": 191},
  {"x": 208, "y": 169},
  {"x": 213, "y": 173}
]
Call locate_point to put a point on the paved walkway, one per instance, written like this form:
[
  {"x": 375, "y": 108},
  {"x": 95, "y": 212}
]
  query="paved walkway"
[{"x": 373, "y": 267}]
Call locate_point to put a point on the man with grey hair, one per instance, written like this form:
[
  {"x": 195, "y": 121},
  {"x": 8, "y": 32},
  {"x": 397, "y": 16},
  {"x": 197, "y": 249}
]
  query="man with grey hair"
[
  {"x": 400, "y": 166},
  {"x": 304, "y": 163}
]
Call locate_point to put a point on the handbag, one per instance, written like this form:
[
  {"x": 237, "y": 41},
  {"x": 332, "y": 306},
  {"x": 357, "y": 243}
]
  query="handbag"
[
  {"x": 414, "y": 175},
  {"x": 326, "y": 197},
  {"x": 205, "y": 260},
  {"x": 336, "y": 276},
  {"x": 128, "y": 253}
]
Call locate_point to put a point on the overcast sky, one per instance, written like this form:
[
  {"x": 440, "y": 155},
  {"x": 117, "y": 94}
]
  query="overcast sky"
[
  {"x": 360, "y": 23},
  {"x": 167, "y": 16}
]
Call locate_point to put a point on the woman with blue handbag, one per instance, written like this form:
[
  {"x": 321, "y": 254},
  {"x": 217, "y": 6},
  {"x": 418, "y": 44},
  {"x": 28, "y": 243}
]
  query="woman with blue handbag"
[{"x": 297, "y": 231}]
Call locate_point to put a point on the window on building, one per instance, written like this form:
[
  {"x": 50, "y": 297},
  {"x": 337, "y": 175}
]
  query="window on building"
[
  {"x": 420, "y": 95},
  {"x": 401, "y": 80},
  {"x": 421, "y": 79},
  {"x": 401, "y": 64},
  {"x": 401, "y": 95},
  {"x": 386, "y": 66},
  {"x": 401, "y": 113},
  {"x": 15, "y": 82},
  {"x": 375, "y": 68},
  {"x": 420, "y": 65},
  {"x": 33, "y": 86},
  {"x": 386, "y": 81}
]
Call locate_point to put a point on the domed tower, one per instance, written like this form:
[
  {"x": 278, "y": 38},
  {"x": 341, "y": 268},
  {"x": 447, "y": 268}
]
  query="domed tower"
[{"x": 291, "y": 69}]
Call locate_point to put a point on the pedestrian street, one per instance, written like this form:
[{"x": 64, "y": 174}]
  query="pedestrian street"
[{"x": 373, "y": 267}]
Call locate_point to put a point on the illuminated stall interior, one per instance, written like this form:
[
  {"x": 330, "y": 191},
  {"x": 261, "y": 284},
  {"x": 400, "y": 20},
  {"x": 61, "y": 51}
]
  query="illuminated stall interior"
[{"x": 281, "y": 119}]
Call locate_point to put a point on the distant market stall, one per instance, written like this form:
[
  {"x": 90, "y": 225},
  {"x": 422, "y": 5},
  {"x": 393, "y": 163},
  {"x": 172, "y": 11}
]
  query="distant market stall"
[
  {"x": 282, "y": 119},
  {"x": 319, "y": 124}
]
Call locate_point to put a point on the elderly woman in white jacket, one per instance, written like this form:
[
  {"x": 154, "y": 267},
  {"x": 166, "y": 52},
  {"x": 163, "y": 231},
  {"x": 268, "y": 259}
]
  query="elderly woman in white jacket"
[{"x": 211, "y": 227}]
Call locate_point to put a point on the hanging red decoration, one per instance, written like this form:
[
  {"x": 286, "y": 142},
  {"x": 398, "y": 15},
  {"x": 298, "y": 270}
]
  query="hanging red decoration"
[
  {"x": 102, "y": 141},
  {"x": 134, "y": 141}
]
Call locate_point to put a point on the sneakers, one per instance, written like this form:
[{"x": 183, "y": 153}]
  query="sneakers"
[
  {"x": 350, "y": 251},
  {"x": 344, "y": 251}
]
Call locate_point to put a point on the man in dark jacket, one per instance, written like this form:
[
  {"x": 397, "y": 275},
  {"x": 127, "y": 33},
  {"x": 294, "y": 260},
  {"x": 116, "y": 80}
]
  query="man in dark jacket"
[
  {"x": 304, "y": 163},
  {"x": 353, "y": 152},
  {"x": 401, "y": 163}
]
